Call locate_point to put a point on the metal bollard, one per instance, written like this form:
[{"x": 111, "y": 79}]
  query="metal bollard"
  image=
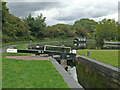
[{"x": 88, "y": 53}]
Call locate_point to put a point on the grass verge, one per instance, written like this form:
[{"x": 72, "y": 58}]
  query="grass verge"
[
  {"x": 17, "y": 42},
  {"x": 30, "y": 74},
  {"x": 44, "y": 40},
  {"x": 22, "y": 46},
  {"x": 107, "y": 56},
  {"x": 111, "y": 41}
]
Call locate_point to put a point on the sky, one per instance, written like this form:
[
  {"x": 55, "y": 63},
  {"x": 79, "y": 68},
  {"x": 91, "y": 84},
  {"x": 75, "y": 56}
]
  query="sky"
[{"x": 65, "y": 11}]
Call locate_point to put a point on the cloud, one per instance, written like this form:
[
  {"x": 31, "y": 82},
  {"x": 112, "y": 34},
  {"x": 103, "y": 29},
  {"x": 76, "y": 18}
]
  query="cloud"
[
  {"x": 22, "y": 9},
  {"x": 111, "y": 16},
  {"x": 66, "y": 11},
  {"x": 76, "y": 11}
]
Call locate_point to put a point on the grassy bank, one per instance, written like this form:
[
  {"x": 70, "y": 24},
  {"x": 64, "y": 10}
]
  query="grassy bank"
[
  {"x": 111, "y": 41},
  {"x": 44, "y": 40},
  {"x": 107, "y": 56},
  {"x": 30, "y": 74},
  {"x": 17, "y": 42},
  {"x": 22, "y": 46}
]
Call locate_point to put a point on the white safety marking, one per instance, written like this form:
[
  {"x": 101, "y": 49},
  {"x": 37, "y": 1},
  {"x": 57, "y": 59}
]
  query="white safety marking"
[
  {"x": 12, "y": 50},
  {"x": 37, "y": 46},
  {"x": 73, "y": 51}
]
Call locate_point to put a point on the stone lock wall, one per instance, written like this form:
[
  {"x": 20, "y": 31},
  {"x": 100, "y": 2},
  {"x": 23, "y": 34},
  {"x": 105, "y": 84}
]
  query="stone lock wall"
[{"x": 95, "y": 74}]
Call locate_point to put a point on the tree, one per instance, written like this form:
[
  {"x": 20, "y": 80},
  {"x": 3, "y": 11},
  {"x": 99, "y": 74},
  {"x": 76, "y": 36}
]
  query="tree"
[
  {"x": 81, "y": 32},
  {"x": 88, "y": 25},
  {"x": 13, "y": 28},
  {"x": 37, "y": 25},
  {"x": 60, "y": 31},
  {"x": 5, "y": 10},
  {"x": 107, "y": 29},
  {"x": 118, "y": 35},
  {"x": 99, "y": 35}
]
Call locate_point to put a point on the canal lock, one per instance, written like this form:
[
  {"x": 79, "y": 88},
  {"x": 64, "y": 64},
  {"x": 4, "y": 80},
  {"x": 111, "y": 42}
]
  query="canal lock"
[
  {"x": 89, "y": 74},
  {"x": 69, "y": 66}
]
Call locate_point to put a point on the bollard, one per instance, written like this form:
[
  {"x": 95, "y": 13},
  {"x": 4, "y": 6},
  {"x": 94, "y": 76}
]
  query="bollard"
[{"x": 88, "y": 53}]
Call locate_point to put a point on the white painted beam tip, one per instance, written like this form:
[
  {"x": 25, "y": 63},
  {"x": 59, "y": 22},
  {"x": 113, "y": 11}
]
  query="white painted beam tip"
[{"x": 12, "y": 50}]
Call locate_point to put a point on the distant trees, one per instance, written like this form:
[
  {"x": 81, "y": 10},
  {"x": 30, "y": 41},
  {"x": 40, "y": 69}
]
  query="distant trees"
[
  {"x": 81, "y": 28},
  {"x": 0, "y": 22},
  {"x": 118, "y": 32},
  {"x": 79, "y": 31},
  {"x": 13, "y": 28},
  {"x": 59, "y": 31},
  {"x": 85, "y": 27}
]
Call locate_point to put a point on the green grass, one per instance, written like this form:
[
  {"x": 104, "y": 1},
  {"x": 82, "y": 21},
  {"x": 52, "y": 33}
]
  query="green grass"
[
  {"x": 57, "y": 40},
  {"x": 17, "y": 42},
  {"x": 107, "y": 56},
  {"x": 30, "y": 74},
  {"x": 90, "y": 39},
  {"x": 44, "y": 40},
  {"x": 111, "y": 41},
  {"x": 22, "y": 46}
]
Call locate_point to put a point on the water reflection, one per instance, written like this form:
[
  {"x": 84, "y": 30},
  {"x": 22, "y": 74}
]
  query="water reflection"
[
  {"x": 77, "y": 46},
  {"x": 82, "y": 45},
  {"x": 86, "y": 45}
]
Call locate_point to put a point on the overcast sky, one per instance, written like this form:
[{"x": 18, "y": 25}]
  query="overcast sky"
[{"x": 65, "y": 11}]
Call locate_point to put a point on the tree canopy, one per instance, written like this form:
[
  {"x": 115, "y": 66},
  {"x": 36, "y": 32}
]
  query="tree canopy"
[
  {"x": 107, "y": 29},
  {"x": 85, "y": 27},
  {"x": 59, "y": 31},
  {"x": 13, "y": 28},
  {"x": 37, "y": 25}
]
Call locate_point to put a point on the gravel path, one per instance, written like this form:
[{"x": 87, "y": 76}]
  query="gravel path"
[{"x": 8, "y": 46}]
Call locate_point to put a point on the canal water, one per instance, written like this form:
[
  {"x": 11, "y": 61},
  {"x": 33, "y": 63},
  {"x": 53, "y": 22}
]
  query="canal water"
[
  {"x": 76, "y": 46},
  {"x": 71, "y": 69}
]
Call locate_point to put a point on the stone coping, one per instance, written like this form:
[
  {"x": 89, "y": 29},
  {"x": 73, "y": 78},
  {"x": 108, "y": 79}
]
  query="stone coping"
[
  {"x": 67, "y": 78},
  {"x": 100, "y": 63}
]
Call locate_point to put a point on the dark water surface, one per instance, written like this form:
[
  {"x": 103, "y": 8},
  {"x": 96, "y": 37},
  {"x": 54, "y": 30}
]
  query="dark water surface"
[
  {"x": 87, "y": 45},
  {"x": 77, "y": 46}
]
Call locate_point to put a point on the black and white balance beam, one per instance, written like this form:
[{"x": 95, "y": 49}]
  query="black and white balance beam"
[{"x": 24, "y": 51}]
